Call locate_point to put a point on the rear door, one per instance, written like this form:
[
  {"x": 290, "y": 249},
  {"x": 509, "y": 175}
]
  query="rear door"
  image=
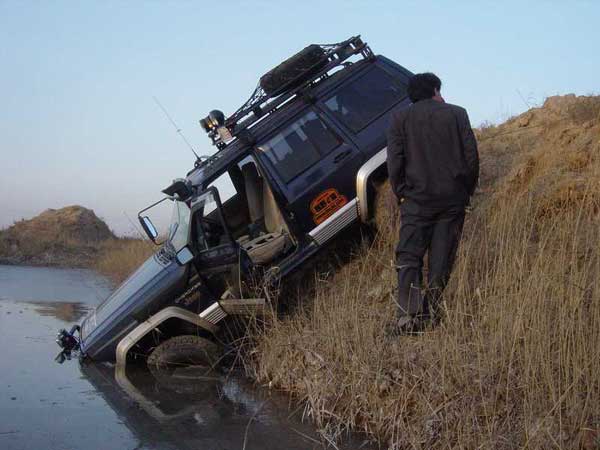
[
  {"x": 363, "y": 105},
  {"x": 314, "y": 164}
]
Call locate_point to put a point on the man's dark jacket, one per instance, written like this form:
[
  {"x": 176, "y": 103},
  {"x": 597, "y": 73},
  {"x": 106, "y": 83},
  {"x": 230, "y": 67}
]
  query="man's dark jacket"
[{"x": 432, "y": 154}]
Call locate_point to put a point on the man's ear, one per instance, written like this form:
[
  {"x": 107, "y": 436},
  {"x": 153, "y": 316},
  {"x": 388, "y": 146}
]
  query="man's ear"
[{"x": 437, "y": 92}]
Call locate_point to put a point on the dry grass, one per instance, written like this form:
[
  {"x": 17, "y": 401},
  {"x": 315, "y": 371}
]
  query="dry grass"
[
  {"x": 516, "y": 361},
  {"x": 119, "y": 258}
]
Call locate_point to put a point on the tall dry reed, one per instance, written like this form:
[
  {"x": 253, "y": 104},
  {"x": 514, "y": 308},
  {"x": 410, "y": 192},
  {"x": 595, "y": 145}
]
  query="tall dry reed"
[
  {"x": 515, "y": 362},
  {"x": 119, "y": 258}
]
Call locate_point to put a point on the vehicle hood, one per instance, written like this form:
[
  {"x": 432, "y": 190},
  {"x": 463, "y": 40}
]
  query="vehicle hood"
[{"x": 140, "y": 295}]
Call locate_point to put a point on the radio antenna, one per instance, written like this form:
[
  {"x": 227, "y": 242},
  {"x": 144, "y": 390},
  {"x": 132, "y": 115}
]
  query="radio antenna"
[{"x": 176, "y": 128}]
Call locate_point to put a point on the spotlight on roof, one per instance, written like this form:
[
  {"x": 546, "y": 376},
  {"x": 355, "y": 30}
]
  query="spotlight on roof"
[{"x": 214, "y": 120}]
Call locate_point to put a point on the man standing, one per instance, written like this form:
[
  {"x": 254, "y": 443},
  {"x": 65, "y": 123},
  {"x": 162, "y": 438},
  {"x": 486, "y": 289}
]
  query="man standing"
[{"x": 433, "y": 167}]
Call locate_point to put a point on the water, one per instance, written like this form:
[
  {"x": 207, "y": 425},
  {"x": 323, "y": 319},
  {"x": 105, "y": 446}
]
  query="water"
[{"x": 44, "y": 405}]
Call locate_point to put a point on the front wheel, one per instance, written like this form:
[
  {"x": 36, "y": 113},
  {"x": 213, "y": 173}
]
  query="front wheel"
[{"x": 182, "y": 351}]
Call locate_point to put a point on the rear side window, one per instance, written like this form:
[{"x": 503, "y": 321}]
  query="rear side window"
[
  {"x": 362, "y": 101},
  {"x": 299, "y": 145}
]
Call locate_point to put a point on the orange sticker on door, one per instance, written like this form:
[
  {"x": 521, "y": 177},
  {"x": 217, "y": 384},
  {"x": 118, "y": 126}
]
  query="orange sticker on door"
[{"x": 325, "y": 204}]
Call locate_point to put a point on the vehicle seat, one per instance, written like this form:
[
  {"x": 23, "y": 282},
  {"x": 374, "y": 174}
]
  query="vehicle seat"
[
  {"x": 261, "y": 204},
  {"x": 254, "y": 191},
  {"x": 266, "y": 247},
  {"x": 274, "y": 222}
]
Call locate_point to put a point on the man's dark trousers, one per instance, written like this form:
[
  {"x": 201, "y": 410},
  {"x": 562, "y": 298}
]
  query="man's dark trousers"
[{"x": 424, "y": 228}]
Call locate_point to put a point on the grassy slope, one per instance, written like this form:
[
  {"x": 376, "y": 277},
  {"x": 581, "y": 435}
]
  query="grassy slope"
[{"x": 516, "y": 362}]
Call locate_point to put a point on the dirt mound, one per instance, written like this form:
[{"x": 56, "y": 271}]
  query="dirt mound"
[
  {"x": 68, "y": 236},
  {"x": 549, "y": 153},
  {"x": 76, "y": 222},
  {"x": 560, "y": 139}
]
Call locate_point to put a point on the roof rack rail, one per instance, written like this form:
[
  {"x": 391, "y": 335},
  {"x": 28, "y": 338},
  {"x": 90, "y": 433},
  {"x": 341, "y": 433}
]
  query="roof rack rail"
[{"x": 260, "y": 103}]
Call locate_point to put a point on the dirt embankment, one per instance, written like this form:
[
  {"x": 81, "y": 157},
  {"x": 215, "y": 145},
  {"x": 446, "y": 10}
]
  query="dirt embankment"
[
  {"x": 516, "y": 361},
  {"x": 72, "y": 237},
  {"x": 69, "y": 236}
]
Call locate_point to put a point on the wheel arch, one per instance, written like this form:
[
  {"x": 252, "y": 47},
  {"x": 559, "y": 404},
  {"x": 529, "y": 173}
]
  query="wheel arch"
[
  {"x": 167, "y": 314},
  {"x": 375, "y": 169}
]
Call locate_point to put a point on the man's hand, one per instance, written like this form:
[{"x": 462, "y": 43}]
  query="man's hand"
[{"x": 395, "y": 153}]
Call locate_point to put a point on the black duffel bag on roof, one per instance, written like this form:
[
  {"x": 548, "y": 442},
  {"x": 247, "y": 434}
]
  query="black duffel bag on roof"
[{"x": 294, "y": 70}]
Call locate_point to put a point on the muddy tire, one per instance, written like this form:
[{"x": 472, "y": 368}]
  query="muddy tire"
[{"x": 183, "y": 351}]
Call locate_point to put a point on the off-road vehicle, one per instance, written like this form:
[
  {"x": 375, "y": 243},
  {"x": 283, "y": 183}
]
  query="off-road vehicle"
[{"x": 295, "y": 166}]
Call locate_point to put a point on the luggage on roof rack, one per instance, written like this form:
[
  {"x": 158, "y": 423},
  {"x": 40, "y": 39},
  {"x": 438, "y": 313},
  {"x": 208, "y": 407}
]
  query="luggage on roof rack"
[
  {"x": 280, "y": 83},
  {"x": 294, "y": 70}
]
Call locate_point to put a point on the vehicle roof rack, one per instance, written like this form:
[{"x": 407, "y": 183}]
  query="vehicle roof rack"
[{"x": 261, "y": 103}]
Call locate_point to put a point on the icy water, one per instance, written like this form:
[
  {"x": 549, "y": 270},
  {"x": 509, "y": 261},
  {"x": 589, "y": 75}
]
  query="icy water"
[{"x": 44, "y": 405}]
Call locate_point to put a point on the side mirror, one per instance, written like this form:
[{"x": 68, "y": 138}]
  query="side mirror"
[
  {"x": 148, "y": 227},
  {"x": 184, "y": 256}
]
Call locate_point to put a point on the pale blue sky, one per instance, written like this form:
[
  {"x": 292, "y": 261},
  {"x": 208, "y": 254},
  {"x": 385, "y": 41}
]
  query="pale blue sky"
[{"x": 78, "y": 124}]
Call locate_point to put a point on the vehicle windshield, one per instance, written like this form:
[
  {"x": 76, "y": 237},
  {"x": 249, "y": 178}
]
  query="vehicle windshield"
[{"x": 180, "y": 225}]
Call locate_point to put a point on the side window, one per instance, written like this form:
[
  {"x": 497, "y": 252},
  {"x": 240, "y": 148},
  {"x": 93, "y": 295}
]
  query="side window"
[
  {"x": 299, "y": 145},
  {"x": 225, "y": 187},
  {"x": 365, "y": 99}
]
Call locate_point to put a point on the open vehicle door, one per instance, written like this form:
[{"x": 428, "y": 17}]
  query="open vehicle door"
[{"x": 212, "y": 243}]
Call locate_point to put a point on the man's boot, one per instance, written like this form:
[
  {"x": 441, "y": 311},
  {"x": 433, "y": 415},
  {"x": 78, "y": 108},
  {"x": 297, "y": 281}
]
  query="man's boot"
[{"x": 408, "y": 313}]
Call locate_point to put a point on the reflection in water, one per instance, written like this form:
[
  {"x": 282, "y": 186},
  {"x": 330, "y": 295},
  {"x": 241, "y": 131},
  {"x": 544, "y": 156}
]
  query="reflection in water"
[
  {"x": 67, "y": 312},
  {"x": 205, "y": 413},
  {"x": 36, "y": 284},
  {"x": 66, "y": 410}
]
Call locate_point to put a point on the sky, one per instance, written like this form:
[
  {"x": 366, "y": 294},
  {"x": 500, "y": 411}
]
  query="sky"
[{"x": 78, "y": 123}]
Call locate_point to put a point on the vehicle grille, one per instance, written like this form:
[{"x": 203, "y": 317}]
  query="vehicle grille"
[{"x": 166, "y": 253}]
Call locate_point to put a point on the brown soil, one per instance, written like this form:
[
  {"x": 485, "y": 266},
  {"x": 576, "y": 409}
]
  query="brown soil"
[{"x": 69, "y": 236}]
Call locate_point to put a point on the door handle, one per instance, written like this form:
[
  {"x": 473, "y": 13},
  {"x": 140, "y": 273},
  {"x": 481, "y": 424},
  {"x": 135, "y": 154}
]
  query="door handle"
[{"x": 342, "y": 156}]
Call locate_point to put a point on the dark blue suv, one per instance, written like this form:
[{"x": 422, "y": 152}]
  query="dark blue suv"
[{"x": 296, "y": 164}]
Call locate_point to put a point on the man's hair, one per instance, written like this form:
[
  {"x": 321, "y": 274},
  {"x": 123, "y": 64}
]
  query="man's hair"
[{"x": 422, "y": 86}]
